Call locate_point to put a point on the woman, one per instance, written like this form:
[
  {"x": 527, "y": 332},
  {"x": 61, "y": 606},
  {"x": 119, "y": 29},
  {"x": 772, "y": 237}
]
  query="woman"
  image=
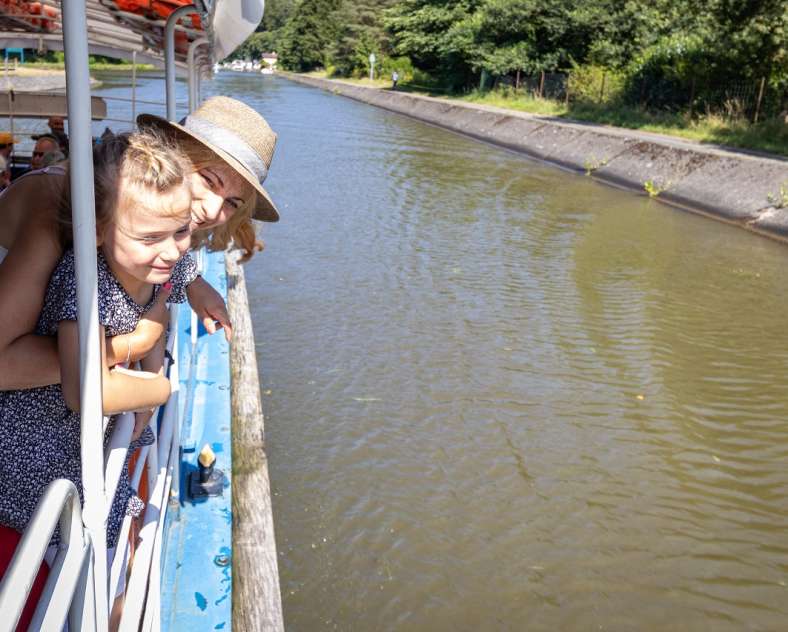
[{"x": 230, "y": 147}]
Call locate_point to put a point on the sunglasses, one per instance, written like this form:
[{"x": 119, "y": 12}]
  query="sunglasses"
[
  {"x": 6, "y": 145},
  {"x": 38, "y": 154}
]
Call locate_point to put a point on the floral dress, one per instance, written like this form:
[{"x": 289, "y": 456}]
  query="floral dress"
[{"x": 39, "y": 435}]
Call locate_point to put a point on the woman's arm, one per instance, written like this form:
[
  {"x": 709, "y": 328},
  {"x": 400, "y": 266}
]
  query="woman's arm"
[
  {"x": 27, "y": 360},
  {"x": 121, "y": 390},
  {"x": 209, "y": 306}
]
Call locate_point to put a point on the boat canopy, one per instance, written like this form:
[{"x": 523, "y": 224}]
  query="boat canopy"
[{"x": 127, "y": 29}]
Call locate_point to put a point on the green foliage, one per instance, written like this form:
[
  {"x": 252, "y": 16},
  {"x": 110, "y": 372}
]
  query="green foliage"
[
  {"x": 670, "y": 57},
  {"x": 434, "y": 35},
  {"x": 361, "y": 33},
  {"x": 596, "y": 84},
  {"x": 652, "y": 188},
  {"x": 779, "y": 200},
  {"x": 402, "y": 65},
  {"x": 308, "y": 34}
]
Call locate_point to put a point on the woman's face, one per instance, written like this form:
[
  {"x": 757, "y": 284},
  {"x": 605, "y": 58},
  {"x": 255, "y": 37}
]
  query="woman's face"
[{"x": 217, "y": 192}]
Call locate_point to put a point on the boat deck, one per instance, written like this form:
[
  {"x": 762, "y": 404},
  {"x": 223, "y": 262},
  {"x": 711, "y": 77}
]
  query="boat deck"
[{"x": 196, "y": 563}]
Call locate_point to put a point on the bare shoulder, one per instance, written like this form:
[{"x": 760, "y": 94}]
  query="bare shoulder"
[{"x": 33, "y": 199}]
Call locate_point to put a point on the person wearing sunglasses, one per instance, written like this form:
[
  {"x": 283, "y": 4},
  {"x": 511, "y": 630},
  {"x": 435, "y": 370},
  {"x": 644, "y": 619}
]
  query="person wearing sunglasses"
[
  {"x": 45, "y": 144},
  {"x": 7, "y": 141}
]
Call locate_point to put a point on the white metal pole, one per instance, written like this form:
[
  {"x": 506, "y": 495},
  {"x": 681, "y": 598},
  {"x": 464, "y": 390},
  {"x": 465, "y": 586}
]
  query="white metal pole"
[
  {"x": 194, "y": 73},
  {"x": 169, "y": 56},
  {"x": 75, "y": 44},
  {"x": 133, "y": 87}
]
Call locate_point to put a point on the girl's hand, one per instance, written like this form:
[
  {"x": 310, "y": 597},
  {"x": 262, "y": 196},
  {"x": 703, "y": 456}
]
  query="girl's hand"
[{"x": 209, "y": 306}]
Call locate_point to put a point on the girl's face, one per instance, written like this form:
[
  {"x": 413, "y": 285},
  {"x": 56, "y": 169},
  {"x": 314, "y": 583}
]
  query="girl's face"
[
  {"x": 217, "y": 192},
  {"x": 145, "y": 241}
]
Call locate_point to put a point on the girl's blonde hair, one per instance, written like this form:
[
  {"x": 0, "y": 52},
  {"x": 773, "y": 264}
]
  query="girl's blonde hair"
[
  {"x": 238, "y": 230},
  {"x": 143, "y": 165}
]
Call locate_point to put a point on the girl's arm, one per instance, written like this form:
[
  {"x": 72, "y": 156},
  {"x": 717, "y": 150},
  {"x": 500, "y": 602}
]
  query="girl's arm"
[
  {"x": 121, "y": 390},
  {"x": 209, "y": 306},
  {"x": 153, "y": 363},
  {"x": 143, "y": 340}
]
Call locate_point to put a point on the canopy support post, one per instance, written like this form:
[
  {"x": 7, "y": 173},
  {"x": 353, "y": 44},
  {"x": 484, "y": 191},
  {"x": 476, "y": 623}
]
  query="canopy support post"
[
  {"x": 75, "y": 43},
  {"x": 194, "y": 73},
  {"x": 169, "y": 56},
  {"x": 133, "y": 87}
]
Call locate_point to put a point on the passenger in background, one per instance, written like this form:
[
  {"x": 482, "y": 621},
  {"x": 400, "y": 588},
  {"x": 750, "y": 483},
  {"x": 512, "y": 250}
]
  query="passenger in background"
[
  {"x": 5, "y": 173},
  {"x": 57, "y": 126},
  {"x": 52, "y": 158},
  {"x": 45, "y": 144},
  {"x": 7, "y": 141}
]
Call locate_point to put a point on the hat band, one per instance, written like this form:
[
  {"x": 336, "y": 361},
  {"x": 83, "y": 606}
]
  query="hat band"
[{"x": 230, "y": 143}]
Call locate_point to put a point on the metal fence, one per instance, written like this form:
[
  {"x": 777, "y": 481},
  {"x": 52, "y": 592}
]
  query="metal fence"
[{"x": 753, "y": 99}]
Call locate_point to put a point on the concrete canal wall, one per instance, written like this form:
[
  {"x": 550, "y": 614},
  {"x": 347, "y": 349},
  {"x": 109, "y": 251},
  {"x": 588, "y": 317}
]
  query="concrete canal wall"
[{"x": 738, "y": 187}]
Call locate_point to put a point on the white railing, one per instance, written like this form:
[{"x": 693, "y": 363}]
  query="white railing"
[
  {"x": 70, "y": 582},
  {"x": 68, "y": 590},
  {"x": 162, "y": 459}
]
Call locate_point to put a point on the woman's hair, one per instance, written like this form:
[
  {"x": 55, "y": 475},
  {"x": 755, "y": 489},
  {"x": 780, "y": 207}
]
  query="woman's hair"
[
  {"x": 238, "y": 230},
  {"x": 144, "y": 165}
]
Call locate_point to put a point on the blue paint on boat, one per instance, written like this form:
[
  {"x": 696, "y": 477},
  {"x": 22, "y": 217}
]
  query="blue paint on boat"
[
  {"x": 196, "y": 560},
  {"x": 202, "y": 602}
]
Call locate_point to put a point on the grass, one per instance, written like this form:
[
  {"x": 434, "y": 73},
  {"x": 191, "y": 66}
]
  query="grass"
[
  {"x": 96, "y": 65},
  {"x": 770, "y": 136},
  {"x": 366, "y": 81}
]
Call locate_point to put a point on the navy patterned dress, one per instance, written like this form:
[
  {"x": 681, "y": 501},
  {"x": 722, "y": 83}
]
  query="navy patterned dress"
[{"x": 39, "y": 435}]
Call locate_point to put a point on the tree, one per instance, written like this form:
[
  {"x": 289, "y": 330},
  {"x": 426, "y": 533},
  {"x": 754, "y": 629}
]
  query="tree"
[
  {"x": 435, "y": 35},
  {"x": 361, "y": 32},
  {"x": 308, "y": 35}
]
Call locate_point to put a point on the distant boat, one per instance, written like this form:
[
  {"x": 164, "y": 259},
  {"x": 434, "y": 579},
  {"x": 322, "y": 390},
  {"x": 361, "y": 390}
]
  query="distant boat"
[{"x": 267, "y": 70}]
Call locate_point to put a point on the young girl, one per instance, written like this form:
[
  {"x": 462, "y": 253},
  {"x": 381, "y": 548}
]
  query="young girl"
[{"x": 142, "y": 226}]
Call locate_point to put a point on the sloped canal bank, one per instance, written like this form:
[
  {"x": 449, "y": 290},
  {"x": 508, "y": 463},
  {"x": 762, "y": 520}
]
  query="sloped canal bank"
[{"x": 734, "y": 186}]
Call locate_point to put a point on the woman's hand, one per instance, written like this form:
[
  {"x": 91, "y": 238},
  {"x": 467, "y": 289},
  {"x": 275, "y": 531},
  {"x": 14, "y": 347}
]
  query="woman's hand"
[{"x": 209, "y": 306}]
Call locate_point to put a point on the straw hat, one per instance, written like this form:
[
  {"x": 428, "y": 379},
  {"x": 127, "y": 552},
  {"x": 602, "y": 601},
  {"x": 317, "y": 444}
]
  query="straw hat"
[{"x": 237, "y": 135}]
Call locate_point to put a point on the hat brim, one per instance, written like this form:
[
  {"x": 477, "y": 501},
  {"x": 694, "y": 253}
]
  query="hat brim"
[{"x": 264, "y": 210}]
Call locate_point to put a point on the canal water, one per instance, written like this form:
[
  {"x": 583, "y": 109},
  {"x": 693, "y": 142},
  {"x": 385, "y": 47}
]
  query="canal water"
[{"x": 500, "y": 396}]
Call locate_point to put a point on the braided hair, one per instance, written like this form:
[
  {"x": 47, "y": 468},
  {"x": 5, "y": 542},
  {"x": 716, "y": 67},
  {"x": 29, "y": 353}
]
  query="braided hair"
[{"x": 143, "y": 166}]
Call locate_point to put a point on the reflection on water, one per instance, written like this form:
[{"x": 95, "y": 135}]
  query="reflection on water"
[{"x": 501, "y": 396}]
